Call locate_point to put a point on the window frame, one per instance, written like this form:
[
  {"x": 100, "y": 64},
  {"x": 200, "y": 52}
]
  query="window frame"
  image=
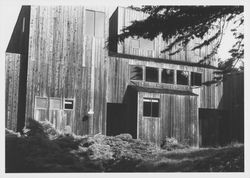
[
  {"x": 73, "y": 104},
  {"x": 188, "y": 78},
  {"x": 94, "y": 23},
  {"x": 173, "y": 82},
  {"x": 191, "y": 79},
  {"x": 158, "y": 78},
  {"x": 141, "y": 73},
  {"x": 41, "y": 97},
  {"x": 156, "y": 100}
]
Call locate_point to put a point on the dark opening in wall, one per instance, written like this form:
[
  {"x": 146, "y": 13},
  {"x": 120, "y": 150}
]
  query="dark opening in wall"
[
  {"x": 151, "y": 74},
  {"x": 167, "y": 76},
  {"x": 182, "y": 77},
  {"x": 195, "y": 79}
]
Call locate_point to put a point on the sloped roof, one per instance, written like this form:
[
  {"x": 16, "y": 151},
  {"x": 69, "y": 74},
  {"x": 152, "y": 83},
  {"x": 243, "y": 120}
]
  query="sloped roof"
[{"x": 161, "y": 90}]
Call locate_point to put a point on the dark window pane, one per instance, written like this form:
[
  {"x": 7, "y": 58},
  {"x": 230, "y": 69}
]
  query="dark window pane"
[
  {"x": 136, "y": 73},
  {"x": 182, "y": 77},
  {"x": 68, "y": 104},
  {"x": 90, "y": 20},
  {"x": 195, "y": 79},
  {"x": 151, "y": 74},
  {"x": 155, "y": 108},
  {"x": 146, "y": 44},
  {"x": 147, "y": 108},
  {"x": 167, "y": 76},
  {"x": 99, "y": 24}
]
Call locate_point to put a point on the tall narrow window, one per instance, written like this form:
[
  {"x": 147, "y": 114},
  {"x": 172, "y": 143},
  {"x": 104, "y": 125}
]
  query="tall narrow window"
[
  {"x": 151, "y": 74},
  {"x": 23, "y": 25},
  {"x": 90, "y": 23},
  {"x": 99, "y": 24},
  {"x": 167, "y": 76},
  {"x": 136, "y": 73},
  {"x": 150, "y": 107},
  {"x": 182, "y": 77},
  {"x": 94, "y": 23},
  {"x": 195, "y": 79}
]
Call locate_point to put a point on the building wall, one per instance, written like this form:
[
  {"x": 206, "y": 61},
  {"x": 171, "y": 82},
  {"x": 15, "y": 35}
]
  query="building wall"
[
  {"x": 65, "y": 63},
  {"x": 17, "y": 55},
  {"x": 209, "y": 96},
  {"x": 123, "y": 17},
  {"x": 12, "y": 70}
]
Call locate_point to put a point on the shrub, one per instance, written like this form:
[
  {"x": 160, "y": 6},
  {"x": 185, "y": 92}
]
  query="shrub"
[{"x": 172, "y": 144}]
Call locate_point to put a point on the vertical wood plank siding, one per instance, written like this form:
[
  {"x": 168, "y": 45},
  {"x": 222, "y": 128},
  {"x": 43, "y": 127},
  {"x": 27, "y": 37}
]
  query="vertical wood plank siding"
[
  {"x": 126, "y": 16},
  {"x": 66, "y": 63},
  {"x": 12, "y": 69},
  {"x": 179, "y": 113},
  {"x": 233, "y": 101}
]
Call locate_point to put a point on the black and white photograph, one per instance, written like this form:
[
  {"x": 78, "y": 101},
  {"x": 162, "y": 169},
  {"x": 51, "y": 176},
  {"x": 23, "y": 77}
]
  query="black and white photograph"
[{"x": 123, "y": 88}]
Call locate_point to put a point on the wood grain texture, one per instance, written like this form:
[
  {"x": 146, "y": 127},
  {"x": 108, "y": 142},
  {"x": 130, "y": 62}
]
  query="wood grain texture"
[
  {"x": 12, "y": 70},
  {"x": 123, "y": 17},
  {"x": 66, "y": 63}
]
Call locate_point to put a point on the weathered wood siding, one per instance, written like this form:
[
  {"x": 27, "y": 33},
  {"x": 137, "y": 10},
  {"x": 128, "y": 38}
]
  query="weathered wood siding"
[
  {"x": 179, "y": 113},
  {"x": 12, "y": 70},
  {"x": 123, "y": 17},
  {"x": 178, "y": 118},
  {"x": 233, "y": 101},
  {"x": 66, "y": 63},
  {"x": 209, "y": 96}
]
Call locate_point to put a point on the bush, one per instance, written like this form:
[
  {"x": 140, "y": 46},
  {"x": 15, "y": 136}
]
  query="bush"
[{"x": 172, "y": 144}]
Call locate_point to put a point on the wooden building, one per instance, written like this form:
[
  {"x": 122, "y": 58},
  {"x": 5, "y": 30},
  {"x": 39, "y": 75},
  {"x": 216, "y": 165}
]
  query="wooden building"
[{"x": 59, "y": 69}]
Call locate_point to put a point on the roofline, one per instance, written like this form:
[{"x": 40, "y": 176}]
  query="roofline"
[
  {"x": 161, "y": 90},
  {"x": 160, "y": 60}
]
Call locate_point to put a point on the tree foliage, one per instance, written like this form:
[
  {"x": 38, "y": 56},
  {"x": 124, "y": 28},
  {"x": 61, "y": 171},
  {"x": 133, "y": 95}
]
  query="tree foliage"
[{"x": 184, "y": 23}]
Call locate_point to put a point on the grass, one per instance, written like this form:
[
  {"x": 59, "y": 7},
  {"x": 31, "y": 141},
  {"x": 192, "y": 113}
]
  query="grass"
[{"x": 44, "y": 149}]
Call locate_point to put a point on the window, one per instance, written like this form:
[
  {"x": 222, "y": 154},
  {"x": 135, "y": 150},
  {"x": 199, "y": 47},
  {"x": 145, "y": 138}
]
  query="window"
[
  {"x": 68, "y": 104},
  {"x": 23, "y": 27},
  {"x": 195, "y": 79},
  {"x": 136, "y": 73},
  {"x": 182, "y": 77},
  {"x": 167, "y": 76},
  {"x": 150, "y": 107},
  {"x": 55, "y": 103},
  {"x": 41, "y": 102},
  {"x": 94, "y": 23},
  {"x": 146, "y": 44},
  {"x": 151, "y": 74}
]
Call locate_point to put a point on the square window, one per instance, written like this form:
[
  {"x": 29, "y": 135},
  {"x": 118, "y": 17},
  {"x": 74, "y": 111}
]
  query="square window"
[
  {"x": 150, "y": 107},
  {"x": 41, "y": 102},
  {"x": 151, "y": 74},
  {"x": 167, "y": 76},
  {"x": 182, "y": 77},
  {"x": 195, "y": 79},
  {"x": 55, "y": 103},
  {"x": 136, "y": 73},
  {"x": 68, "y": 104}
]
